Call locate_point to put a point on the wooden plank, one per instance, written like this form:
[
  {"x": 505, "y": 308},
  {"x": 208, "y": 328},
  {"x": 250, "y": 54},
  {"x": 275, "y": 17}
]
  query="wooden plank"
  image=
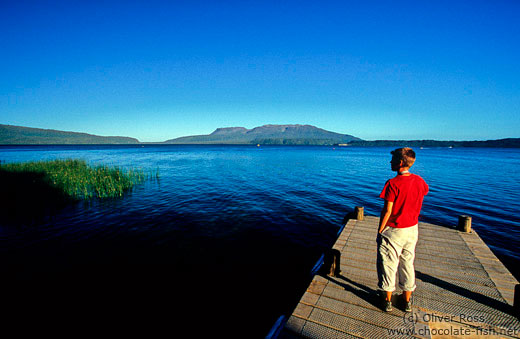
[{"x": 457, "y": 274}]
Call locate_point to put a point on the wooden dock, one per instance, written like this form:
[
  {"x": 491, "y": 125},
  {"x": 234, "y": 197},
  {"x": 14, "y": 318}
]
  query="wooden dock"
[{"x": 463, "y": 291}]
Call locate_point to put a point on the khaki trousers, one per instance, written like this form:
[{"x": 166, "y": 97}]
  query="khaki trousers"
[{"x": 395, "y": 255}]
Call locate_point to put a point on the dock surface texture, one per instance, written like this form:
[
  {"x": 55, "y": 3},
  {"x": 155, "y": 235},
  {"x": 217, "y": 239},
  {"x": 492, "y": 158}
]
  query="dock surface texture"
[{"x": 463, "y": 291}]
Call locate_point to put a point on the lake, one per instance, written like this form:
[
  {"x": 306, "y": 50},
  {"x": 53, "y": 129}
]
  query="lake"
[{"x": 223, "y": 242}]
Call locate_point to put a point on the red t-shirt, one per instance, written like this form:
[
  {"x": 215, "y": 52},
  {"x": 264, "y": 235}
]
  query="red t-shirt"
[{"x": 407, "y": 193}]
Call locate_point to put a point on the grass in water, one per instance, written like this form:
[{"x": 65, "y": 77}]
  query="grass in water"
[{"x": 75, "y": 179}]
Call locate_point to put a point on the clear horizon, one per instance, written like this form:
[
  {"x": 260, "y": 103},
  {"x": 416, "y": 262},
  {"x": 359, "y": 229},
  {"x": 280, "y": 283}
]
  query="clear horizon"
[
  {"x": 160, "y": 141},
  {"x": 159, "y": 71}
]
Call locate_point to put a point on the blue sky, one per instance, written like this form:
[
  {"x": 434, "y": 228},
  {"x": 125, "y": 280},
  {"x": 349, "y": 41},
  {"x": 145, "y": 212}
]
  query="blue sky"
[{"x": 446, "y": 70}]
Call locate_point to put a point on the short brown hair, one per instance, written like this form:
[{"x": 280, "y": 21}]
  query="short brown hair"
[{"x": 406, "y": 154}]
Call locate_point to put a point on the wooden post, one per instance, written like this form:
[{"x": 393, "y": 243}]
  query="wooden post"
[
  {"x": 359, "y": 213},
  {"x": 516, "y": 302},
  {"x": 332, "y": 263},
  {"x": 464, "y": 223}
]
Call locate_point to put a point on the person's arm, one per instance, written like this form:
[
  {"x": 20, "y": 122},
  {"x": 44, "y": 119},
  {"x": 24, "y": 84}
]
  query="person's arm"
[{"x": 385, "y": 214}]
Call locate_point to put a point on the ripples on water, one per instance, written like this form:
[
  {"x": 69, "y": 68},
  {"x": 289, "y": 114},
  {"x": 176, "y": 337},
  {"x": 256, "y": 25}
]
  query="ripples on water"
[{"x": 228, "y": 234}]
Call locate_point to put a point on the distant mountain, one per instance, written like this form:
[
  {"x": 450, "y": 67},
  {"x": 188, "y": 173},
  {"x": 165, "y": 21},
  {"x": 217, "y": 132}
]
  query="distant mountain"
[
  {"x": 269, "y": 135},
  {"x": 264, "y": 135},
  {"x": 16, "y": 135}
]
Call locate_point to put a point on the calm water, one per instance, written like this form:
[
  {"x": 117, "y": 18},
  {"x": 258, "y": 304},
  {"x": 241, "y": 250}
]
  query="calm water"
[{"x": 228, "y": 234}]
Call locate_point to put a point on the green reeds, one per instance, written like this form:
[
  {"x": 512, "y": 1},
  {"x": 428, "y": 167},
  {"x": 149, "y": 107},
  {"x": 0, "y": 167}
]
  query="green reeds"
[{"x": 78, "y": 180}]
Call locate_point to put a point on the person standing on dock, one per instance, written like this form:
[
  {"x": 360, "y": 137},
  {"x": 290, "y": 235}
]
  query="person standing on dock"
[{"x": 398, "y": 228}]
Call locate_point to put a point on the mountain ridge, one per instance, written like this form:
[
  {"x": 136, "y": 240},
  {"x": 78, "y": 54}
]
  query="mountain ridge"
[
  {"x": 265, "y": 135},
  {"x": 19, "y": 135},
  {"x": 268, "y": 134}
]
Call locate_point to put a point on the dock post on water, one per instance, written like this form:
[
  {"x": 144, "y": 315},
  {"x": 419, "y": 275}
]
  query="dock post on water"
[{"x": 463, "y": 290}]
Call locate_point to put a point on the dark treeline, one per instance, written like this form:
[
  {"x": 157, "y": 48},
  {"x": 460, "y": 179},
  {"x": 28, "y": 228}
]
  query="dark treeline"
[{"x": 508, "y": 143}]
